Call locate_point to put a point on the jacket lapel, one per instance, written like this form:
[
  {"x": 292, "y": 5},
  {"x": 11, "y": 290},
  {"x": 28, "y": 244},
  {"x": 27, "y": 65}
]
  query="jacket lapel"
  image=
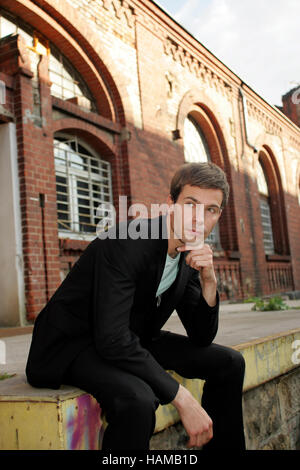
[
  {"x": 171, "y": 297},
  {"x": 174, "y": 293},
  {"x": 177, "y": 288}
]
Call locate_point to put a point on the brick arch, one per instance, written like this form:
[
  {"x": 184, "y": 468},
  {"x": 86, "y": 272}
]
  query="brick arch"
[
  {"x": 197, "y": 104},
  {"x": 102, "y": 145},
  {"x": 268, "y": 161},
  {"x": 71, "y": 37},
  {"x": 209, "y": 131},
  {"x": 198, "y": 98},
  {"x": 99, "y": 139}
]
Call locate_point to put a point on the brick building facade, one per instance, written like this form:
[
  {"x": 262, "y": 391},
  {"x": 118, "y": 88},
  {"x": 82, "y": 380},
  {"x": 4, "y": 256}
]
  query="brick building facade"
[
  {"x": 106, "y": 98},
  {"x": 291, "y": 105}
]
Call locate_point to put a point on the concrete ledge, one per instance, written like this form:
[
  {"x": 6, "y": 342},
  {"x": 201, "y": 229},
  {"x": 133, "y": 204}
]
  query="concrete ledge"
[
  {"x": 70, "y": 419},
  {"x": 46, "y": 419},
  {"x": 266, "y": 358},
  {"x": 269, "y": 357}
]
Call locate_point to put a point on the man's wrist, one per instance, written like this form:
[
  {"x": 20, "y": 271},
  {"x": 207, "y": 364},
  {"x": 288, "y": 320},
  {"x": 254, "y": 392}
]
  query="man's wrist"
[
  {"x": 209, "y": 292},
  {"x": 180, "y": 397}
]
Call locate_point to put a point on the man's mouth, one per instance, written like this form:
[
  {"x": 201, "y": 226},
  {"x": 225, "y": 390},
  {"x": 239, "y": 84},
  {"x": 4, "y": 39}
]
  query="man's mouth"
[{"x": 194, "y": 232}]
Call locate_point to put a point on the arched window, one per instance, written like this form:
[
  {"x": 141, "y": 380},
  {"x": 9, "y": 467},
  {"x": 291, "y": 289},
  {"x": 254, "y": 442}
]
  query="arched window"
[
  {"x": 83, "y": 182},
  {"x": 265, "y": 210},
  {"x": 11, "y": 26},
  {"x": 195, "y": 145},
  {"x": 67, "y": 83},
  {"x": 196, "y": 150}
]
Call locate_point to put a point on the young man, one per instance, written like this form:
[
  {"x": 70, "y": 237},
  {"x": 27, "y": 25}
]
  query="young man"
[{"x": 101, "y": 330}]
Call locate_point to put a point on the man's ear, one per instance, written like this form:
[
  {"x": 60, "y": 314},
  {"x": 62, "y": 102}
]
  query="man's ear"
[{"x": 170, "y": 203}]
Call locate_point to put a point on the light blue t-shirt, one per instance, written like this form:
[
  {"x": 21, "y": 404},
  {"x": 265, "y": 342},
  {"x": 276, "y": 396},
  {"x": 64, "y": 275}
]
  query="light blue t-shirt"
[{"x": 169, "y": 274}]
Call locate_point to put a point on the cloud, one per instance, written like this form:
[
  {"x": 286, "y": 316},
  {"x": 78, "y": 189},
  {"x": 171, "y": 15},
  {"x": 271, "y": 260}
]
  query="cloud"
[{"x": 257, "y": 39}]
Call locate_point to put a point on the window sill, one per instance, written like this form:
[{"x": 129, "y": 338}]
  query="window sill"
[
  {"x": 77, "y": 236},
  {"x": 72, "y": 244},
  {"x": 230, "y": 255},
  {"x": 280, "y": 258},
  {"x": 74, "y": 110},
  {"x": 234, "y": 255}
]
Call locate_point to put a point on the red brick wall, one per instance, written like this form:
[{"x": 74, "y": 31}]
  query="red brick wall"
[
  {"x": 291, "y": 105},
  {"x": 145, "y": 74},
  {"x": 36, "y": 176}
]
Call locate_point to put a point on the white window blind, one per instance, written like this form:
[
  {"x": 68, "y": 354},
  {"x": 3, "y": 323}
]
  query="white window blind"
[
  {"x": 264, "y": 201},
  {"x": 83, "y": 182}
]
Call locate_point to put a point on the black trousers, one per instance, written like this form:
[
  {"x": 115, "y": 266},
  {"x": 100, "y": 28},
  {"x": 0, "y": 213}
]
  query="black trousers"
[{"x": 129, "y": 402}]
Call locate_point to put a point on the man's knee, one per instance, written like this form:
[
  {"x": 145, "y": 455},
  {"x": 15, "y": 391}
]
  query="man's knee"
[
  {"x": 237, "y": 362},
  {"x": 225, "y": 363},
  {"x": 141, "y": 403}
]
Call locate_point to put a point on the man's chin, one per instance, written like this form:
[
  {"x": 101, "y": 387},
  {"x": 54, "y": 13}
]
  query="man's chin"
[
  {"x": 193, "y": 242},
  {"x": 189, "y": 240}
]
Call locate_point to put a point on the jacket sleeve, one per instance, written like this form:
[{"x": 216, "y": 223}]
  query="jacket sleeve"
[
  {"x": 198, "y": 318},
  {"x": 114, "y": 290}
]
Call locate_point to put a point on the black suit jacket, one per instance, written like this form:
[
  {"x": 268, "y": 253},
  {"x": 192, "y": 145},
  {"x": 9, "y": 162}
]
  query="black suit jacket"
[{"x": 109, "y": 299}]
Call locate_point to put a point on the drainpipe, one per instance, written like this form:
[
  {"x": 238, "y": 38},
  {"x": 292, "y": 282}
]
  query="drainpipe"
[
  {"x": 42, "y": 206},
  {"x": 245, "y": 115},
  {"x": 257, "y": 279}
]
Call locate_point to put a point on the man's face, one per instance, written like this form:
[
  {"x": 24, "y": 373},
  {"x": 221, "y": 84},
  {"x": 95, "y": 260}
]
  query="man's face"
[{"x": 197, "y": 210}]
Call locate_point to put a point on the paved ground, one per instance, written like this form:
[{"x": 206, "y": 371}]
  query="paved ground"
[{"x": 238, "y": 324}]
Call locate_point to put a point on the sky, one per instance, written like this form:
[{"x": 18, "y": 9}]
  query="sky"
[{"x": 259, "y": 40}]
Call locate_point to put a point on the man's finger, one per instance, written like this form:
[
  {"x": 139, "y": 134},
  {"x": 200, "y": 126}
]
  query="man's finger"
[
  {"x": 192, "y": 258},
  {"x": 192, "y": 442},
  {"x": 188, "y": 247},
  {"x": 200, "y": 257},
  {"x": 192, "y": 246},
  {"x": 183, "y": 248}
]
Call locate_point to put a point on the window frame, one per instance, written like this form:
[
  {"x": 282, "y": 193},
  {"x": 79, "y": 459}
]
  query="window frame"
[
  {"x": 72, "y": 176},
  {"x": 84, "y": 96},
  {"x": 266, "y": 219}
]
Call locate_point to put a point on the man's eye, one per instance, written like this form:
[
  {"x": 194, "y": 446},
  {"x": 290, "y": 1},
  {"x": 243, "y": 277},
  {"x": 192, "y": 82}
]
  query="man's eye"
[{"x": 212, "y": 210}]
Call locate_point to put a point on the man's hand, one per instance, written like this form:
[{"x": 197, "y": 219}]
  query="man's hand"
[
  {"x": 201, "y": 259},
  {"x": 194, "y": 418}
]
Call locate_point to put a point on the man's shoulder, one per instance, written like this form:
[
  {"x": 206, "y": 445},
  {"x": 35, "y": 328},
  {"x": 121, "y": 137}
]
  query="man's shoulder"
[
  {"x": 136, "y": 231},
  {"x": 136, "y": 241}
]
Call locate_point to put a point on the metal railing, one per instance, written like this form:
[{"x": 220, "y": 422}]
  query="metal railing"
[
  {"x": 229, "y": 279},
  {"x": 280, "y": 277}
]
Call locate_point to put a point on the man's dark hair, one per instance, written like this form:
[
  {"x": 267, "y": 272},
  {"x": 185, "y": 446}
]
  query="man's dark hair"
[{"x": 204, "y": 175}]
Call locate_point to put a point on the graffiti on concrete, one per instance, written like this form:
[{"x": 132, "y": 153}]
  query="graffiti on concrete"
[
  {"x": 267, "y": 358},
  {"x": 83, "y": 423}
]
